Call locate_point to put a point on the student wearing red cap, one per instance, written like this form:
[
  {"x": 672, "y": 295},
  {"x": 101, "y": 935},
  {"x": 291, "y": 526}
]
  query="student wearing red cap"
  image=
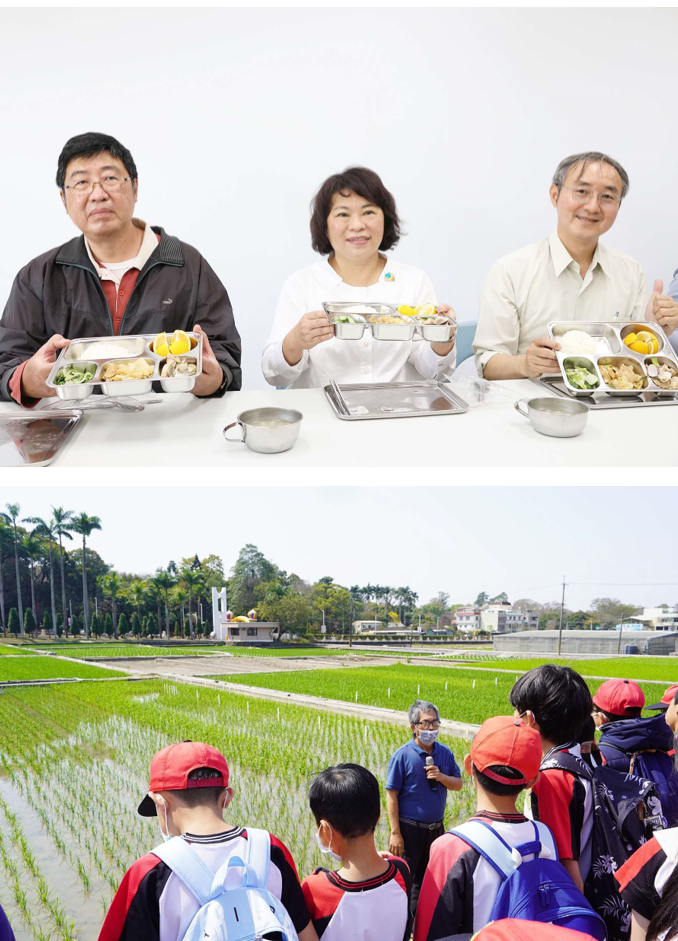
[
  {"x": 188, "y": 792},
  {"x": 460, "y": 886},
  {"x": 637, "y": 745},
  {"x": 669, "y": 706}
]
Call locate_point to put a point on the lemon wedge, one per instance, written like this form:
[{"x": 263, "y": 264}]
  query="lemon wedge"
[
  {"x": 407, "y": 311},
  {"x": 159, "y": 345},
  {"x": 630, "y": 338},
  {"x": 179, "y": 343},
  {"x": 426, "y": 310}
]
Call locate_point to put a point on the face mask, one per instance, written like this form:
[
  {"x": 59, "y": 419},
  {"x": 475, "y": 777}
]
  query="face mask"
[
  {"x": 427, "y": 736},
  {"x": 165, "y": 836},
  {"x": 326, "y": 849}
]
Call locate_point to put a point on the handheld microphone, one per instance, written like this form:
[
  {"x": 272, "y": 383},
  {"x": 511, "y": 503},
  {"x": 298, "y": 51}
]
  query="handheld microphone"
[{"x": 432, "y": 784}]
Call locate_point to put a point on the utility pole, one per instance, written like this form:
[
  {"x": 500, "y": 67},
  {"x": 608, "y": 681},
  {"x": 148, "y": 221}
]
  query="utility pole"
[
  {"x": 560, "y": 628},
  {"x": 621, "y": 630}
]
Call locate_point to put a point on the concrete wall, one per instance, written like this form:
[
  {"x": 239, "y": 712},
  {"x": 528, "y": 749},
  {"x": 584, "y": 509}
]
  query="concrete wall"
[{"x": 601, "y": 643}]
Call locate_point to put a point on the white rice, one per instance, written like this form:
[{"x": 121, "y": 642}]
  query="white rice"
[{"x": 578, "y": 343}]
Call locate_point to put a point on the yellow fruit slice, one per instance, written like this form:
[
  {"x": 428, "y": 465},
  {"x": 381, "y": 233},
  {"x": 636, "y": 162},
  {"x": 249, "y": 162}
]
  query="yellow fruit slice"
[
  {"x": 655, "y": 345},
  {"x": 644, "y": 336},
  {"x": 631, "y": 338},
  {"x": 639, "y": 347},
  {"x": 407, "y": 311},
  {"x": 179, "y": 343},
  {"x": 426, "y": 310},
  {"x": 159, "y": 345}
]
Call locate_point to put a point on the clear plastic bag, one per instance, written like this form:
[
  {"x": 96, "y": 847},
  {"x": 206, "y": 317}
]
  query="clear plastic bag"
[{"x": 478, "y": 392}]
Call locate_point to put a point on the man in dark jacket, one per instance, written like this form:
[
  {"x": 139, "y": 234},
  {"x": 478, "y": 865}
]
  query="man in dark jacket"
[
  {"x": 121, "y": 276},
  {"x": 635, "y": 745}
]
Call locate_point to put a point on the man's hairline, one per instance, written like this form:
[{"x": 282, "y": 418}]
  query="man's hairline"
[
  {"x": 584, "y": 164},
  {"x": 133, "y": 179}
]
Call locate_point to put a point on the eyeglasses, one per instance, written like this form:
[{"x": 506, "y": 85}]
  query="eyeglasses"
[
  {"x": 109, "y": 184},
  {"x": 581, "y": 195},
  {"x": 428, "y": 725}
]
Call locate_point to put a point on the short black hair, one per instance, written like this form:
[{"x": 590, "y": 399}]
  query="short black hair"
[
  {"x": 587, "y": 732},
  {"x": 633, "y": 712},
  {"x": 87, "y": 145},
  {"x": 496, "y": 787},
  {"x": 347, "y": 796},
  {"x": 201, "y": 796},
  {"x": 362, "y": 182},
  {"x": 558, "y": 697}
]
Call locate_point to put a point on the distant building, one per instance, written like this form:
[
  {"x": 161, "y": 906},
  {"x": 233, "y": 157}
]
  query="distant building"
[
  {"x": 495, "y": 617},
  {"x": 249, "y": 631},
  {"x": 361, "y": 627},
  {"x": 664, "y": 618},
  {"x": 467, "y": 619}
]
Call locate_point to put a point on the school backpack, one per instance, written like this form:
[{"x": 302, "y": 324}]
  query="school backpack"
[
  {"x": 656, "y": 766},
  {"x": 538, "y": 889},
  {"x": 235, "y": 904},
  {"x": 618, "y": 830}
]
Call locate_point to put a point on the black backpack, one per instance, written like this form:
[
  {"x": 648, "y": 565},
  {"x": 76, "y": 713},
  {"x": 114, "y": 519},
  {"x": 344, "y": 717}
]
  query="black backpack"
[{"x": 620, "y": 826}]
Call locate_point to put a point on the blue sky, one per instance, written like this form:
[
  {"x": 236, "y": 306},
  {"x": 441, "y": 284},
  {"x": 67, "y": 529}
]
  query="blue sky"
[{"x": 617, "y": 541}]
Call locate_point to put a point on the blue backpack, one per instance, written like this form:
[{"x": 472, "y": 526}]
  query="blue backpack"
[
  {"x": 657, "y": 766},
  {"x": 538, "y": 889}
]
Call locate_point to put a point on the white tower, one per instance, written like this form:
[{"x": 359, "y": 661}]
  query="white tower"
[{"x": 219, "y": 608}]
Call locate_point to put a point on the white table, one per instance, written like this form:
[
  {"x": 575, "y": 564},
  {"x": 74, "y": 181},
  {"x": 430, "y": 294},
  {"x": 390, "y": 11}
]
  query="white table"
[{"x": 185, "y": 431}]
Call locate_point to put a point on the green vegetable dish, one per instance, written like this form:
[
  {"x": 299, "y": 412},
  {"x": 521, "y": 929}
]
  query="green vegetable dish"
[
  {"x": 582, "y": 378},
  {"x": 345, "y": 318},
  {"x": 70, "y": 375}
]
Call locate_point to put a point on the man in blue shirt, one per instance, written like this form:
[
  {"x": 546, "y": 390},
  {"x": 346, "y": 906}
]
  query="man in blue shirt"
[{"x": 416, "y": 792}]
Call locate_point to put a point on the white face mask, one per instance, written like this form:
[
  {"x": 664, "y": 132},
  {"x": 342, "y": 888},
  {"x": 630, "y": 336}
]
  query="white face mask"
[
  {"x": 326, "y": 849},
  {"x": 427, "y": 736},
  {"x": 165, "y": 836}
]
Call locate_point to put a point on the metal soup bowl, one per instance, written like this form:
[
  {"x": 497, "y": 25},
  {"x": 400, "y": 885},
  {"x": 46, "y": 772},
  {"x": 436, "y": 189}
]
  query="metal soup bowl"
[
  {"x": 560, "y": 418},
  {"x": 267, "y": 430}
]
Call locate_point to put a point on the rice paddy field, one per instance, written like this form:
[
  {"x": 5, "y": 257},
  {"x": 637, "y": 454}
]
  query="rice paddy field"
[
  {"x": 638, "y": 668},
  {"x": 15, "y": 669},
  {"x": 74, "y": 764},
  {"x": 127, "y": 650},
  {"x": 462, "y": 695}
]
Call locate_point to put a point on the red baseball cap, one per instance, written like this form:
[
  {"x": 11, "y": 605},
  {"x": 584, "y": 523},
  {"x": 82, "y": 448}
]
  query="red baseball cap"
[
  {"x": 618, "y": 696},
  {"x": 504, "y": 740},
  {"x": 172, "y": 765},
  {"x": 666, "y": 699},
  {"x": 511, "y": 929}
]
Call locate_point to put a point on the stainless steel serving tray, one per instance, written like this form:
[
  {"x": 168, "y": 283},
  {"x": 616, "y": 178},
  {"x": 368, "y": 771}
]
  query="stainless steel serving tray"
[
  {"x": 30, "y": 439},
  {"x": 395, "y": 400},
  {"x": 611, "y": 348},
  {"x": 130, "y": 348},
  {"x": 602, "y": 400},
  {"x": 434, "y": 333}
]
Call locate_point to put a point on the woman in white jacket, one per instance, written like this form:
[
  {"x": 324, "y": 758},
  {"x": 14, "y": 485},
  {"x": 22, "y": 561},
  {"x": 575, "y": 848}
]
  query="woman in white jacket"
[{"x": 354, "y": 222}]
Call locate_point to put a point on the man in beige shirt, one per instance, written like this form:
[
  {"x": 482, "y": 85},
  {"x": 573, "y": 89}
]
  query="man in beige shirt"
[{"x": 568, "y": 276}]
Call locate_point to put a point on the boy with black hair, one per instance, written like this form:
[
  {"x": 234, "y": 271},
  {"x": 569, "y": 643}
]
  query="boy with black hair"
[
  {"x": 462, "y": 883},
  {"x": 188, "y": 792},
  {"x": 367, "y": 898},
  {"x": 556, "y": 701}
]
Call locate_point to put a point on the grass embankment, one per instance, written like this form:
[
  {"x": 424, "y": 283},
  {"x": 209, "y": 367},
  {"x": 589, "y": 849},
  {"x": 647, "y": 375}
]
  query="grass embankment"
[
  {"x": 463, "y": 695},
  {"x": 6, "y": 650}
]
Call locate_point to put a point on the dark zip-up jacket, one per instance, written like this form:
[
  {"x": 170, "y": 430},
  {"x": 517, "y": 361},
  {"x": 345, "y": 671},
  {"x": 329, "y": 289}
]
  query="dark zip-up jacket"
[
  {"x": 60, "y": 292},
  {"x": 620, "y": 739}
]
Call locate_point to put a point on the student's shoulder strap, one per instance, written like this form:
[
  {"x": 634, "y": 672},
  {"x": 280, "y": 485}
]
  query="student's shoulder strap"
[
  {"x": 564, "y": 761},
  {"x": 259, "y": 854},
  {"x": 187, "y": 866},
  {"x": 489, "y": 844}
]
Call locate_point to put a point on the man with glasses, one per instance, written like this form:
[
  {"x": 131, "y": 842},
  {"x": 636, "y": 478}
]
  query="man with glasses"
[
  {"x": 568, "y": 276},
  {"x": 121, "y": 276},
  {"x": 419, "y": 776}
]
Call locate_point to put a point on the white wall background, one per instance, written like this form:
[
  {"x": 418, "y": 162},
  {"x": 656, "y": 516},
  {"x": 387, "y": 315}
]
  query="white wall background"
[{"x": 235, "y": 116}]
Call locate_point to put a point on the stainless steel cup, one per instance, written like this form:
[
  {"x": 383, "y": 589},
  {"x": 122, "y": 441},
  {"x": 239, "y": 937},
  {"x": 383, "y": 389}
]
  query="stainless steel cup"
[
  {"x": 560, "y": 418},
  {"x": 267, "y": 430}
]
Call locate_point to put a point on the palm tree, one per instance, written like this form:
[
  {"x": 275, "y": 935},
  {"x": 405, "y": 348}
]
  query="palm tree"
[
  {"x": 10, "y": 517},
  {"x": 163, "y": 581},
  {"x": 47, "y": 531},
  {"x": 137, "y": 593},
  {"x": 84, "y": 526},
  {"x": 194, "y": 582},
  {"x": 179, "y": 597},
  {"x": 5, "y": 549},
  {"x": 31, "y": 545},
  {"x": 63, "y": 525},
  {"x": 111, "y": 585}
]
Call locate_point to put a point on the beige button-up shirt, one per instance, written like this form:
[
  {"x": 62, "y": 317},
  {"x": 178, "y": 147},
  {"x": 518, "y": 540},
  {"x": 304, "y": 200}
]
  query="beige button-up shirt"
[
  {"x": 527, "y": 289},
  {"x": 109, "y": 272}
]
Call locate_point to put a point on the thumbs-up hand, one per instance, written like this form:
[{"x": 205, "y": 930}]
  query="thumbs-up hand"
[{"x": 662, "y": 309}]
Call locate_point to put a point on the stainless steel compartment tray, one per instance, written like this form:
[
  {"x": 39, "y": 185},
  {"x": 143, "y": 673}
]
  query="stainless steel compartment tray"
[
  {"x": 395, "y": 400},
  {"x": 599, "y": 399},
  {"x": 434, "y": 333},
  {"x": 140, "y": 343},
  {"x": 613, "y": 332},
  {"x": 34, "y": 439}
]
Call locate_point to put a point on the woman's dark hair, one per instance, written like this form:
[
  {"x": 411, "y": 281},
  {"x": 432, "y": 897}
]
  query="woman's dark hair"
[
  {"x": 558, "y": 697},
  {"x": 496, "y": 787},
  {"x": 347, "y": 796},
  {"x": 665, "y": 917},
  {"x": 362, "y": 182},
  {"x": 201, "y": 796},
  {"x": 87, "y": 145}
]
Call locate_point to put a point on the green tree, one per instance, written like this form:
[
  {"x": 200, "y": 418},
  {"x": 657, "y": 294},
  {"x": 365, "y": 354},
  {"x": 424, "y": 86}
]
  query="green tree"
[
  {"x": 47, "y": 530},
  {"x": 123, "y": 626},
  {"x": 502, "y": 598},
  {"x": 31, "y": 547},
  {"x": 85, "y": 525},
  {"x": 14, "y": 625},
  {"x": 136, "y": 624},
  {"x": 47, "y": 625},
  {"x": 610, "y": 611},
  {"x": 96, "y": 627},
  {"x": 10, "y": 517},
  {"x": 334, "y": 600},
  {"x": 30, "y": 624},
  {"x": 75, "y": 626},
  {"x": 111, "y": 586},
  {"x": 5, "y": 550},
  {"x": 108, "y": 624},
  {"x": 59, "y": 626},
  {"x": 251, "y": 568},
  {"x": 63, "y": 525},
  {"x": 193, "y": 580},
  {"x": 163, "y": 581},
  {"x": 481, "y": 599}
]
